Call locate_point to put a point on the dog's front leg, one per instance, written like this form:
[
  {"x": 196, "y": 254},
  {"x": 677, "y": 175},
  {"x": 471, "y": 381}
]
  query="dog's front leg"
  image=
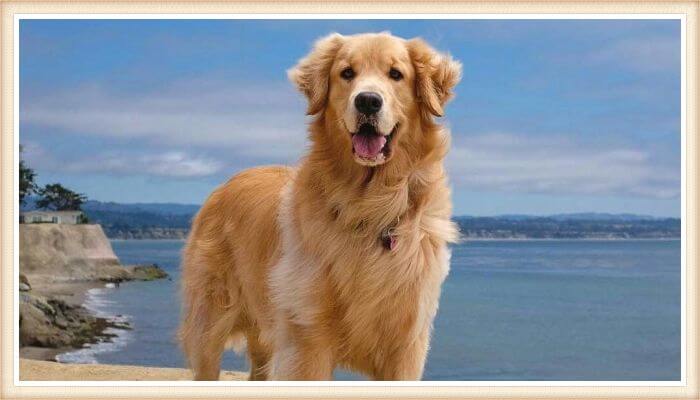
[
  {"x": 407, "y": 363},
  {"x": 301, "y": 354}
]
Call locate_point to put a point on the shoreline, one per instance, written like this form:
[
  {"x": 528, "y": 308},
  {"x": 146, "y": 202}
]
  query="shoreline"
[
  {"x": 76, "y": 296},
  {"x": 113, "y": 335},
  {"x": 63, "y": 271},
  {"x": 73, "y": 293},
  {"x": 65, "y": 321}
]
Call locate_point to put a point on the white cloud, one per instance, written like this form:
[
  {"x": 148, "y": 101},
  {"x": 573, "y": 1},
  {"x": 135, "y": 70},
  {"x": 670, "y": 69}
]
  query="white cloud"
[
  {"x": 174, "y": 164},
  {"x": 516, "y": 163},
  {"x": 199, "y": 113},
  {"x": 643, "y": 54},
  {"x": 171, "y": 164},
  {"x": 180, "y": 164}
]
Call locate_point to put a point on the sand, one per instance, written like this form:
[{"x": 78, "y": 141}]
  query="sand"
[
  {"x": 73, "y": 293},
  {"x": 33, "y": 370},
  {"x": 42, "y": 353}
]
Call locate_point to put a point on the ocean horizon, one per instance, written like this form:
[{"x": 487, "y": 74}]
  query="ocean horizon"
[{"x": 511, "y": 309}]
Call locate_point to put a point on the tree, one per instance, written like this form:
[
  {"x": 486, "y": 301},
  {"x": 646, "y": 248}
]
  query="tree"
[
  {"x": 56, "y": 197},
  {"x": 83, "y": 219},
  {"x": 27, "y": 185}
]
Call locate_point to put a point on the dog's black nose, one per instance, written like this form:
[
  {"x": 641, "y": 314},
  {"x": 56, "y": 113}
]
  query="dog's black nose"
[{"x": 368, "y": 103}]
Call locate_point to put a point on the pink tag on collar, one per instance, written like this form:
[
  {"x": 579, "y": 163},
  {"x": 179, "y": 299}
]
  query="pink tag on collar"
[{"x": 389, "y": 240}]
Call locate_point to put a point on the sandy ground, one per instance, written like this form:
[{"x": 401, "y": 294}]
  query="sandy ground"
[
  {"x": 33, "y": 370},
  {"x": 71, "y": 292},
  {"x": 42, "y": 353}
]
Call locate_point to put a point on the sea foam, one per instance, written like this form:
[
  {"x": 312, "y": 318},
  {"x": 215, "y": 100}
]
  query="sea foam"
[{"x": 100, "y": 306}]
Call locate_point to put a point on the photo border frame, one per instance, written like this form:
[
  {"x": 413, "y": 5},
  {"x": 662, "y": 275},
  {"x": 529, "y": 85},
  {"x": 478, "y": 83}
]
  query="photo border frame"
[{"x": 12, "y": 388}]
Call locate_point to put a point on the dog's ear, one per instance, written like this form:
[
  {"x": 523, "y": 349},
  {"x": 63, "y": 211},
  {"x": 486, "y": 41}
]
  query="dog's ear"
[
  {"x": 436, "y": 75},
  {"x": 312, "y": 74}
]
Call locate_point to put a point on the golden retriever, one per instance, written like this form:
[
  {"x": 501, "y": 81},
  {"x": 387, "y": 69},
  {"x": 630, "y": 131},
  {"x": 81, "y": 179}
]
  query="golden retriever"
[{"x": 339, "y": 261}]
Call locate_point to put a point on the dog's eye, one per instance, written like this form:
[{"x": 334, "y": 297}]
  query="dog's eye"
[
  {"x": 395, "y": 74},
  {"x": 347, "y": 74}
]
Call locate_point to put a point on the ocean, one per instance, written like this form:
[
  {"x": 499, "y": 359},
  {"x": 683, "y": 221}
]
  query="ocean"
[{"x": 510, "y": 310}]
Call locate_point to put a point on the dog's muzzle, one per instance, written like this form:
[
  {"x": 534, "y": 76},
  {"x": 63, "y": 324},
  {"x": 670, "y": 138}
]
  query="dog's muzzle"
[{"x": 370, "y": 146}]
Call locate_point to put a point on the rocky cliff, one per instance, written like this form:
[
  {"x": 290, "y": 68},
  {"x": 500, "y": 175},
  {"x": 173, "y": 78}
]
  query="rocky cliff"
[
  {"x": 58, "y": 263},
  {"x": 61, "y": 252}
]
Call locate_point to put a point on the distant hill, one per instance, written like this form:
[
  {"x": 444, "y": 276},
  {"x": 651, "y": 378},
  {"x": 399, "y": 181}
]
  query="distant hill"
[
  {"x": 137, "y": 220},
  {"x": 172, "y": 221},
  {"x": 156, "y": 208},
  {"x": 590, "y": 216},
  {"x": 570, "y": 226}
]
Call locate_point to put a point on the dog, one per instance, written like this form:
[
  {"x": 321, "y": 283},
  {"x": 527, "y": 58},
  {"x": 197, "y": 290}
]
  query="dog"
[{"x": 339, "y": 261}]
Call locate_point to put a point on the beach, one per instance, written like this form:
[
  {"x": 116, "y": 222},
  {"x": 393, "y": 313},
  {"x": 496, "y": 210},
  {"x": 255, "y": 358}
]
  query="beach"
[{"x": 33, "y": 370}]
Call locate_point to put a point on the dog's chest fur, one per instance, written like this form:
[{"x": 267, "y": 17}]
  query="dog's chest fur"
[{"x": 339, "y": 277}]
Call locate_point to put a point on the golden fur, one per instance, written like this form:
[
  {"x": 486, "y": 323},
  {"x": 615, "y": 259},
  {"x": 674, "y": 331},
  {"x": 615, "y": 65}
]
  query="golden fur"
[{"x": 291, "y": 259}]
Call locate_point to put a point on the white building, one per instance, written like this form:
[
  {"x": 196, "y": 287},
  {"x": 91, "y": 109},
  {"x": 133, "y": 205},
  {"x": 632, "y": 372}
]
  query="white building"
[{"x": 50, "y": 217}]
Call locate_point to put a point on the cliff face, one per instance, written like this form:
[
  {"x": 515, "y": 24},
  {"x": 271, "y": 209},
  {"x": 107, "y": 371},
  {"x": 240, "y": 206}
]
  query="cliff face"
[{"x": 61, "y": 252}]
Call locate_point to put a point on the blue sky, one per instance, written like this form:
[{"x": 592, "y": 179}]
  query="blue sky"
[{"x": 550, "y": 117}]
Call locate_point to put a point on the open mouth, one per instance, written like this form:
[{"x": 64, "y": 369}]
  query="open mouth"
[{"x": 370, "y": 146}]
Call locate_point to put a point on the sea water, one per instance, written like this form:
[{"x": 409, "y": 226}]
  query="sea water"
[{"x": 510, "y": 310}]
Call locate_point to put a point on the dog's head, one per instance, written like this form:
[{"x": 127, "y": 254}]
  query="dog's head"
[{"x": 376, "y": 88}]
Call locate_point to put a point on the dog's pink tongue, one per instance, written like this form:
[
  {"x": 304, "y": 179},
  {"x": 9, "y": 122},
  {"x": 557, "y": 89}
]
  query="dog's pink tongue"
[{"x": 368, "y": 146}]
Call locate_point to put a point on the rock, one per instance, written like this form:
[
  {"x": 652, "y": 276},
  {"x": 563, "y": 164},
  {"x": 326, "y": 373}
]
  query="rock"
[
  {"x": 53, "y": 323},
  {"x": 61, "y": 323},
  {"x": 147, "y": 272},
  {"x": 42, "y": 305},
  {"x": 36, "y": 327},
  {"x": 24, "y": 285}
]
